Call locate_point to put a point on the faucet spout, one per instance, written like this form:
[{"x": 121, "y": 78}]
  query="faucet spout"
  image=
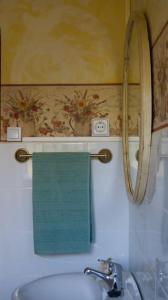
[
  {"x": 113, "y": 278},
  {"x": 106, "y": 277}
]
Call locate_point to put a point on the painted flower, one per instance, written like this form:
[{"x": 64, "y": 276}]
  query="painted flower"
[
  {"x": 23, "y": 106},
  {"x": 81, "y": 108},
  {"x": 160, "y": 83}
]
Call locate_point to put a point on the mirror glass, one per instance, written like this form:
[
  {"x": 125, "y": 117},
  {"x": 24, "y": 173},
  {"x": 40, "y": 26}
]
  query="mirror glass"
[
  {"x": 133, "y": 102},
  {"x": 136, "y": 107}
]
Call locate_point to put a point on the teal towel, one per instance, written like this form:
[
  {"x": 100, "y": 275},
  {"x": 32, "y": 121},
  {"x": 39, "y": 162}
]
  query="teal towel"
[{"x": 62, "y": 216}]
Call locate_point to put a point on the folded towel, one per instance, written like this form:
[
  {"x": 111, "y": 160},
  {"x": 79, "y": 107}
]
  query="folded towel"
[{"x": 61, "y": 203}]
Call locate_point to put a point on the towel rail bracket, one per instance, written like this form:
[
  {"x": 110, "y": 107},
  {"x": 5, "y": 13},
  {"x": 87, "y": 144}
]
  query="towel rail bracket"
[{"x": 104, "y": 155}]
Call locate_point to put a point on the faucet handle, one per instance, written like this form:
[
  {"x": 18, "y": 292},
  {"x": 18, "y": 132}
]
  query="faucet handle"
[
  {"x": 108, "y": 264},
  {"x": 105, "y": 261}
]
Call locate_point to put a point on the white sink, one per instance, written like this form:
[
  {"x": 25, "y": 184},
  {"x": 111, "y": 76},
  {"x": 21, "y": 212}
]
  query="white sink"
[
  {"x": 73, "y": 286},
  {"x": 60, "y": 287}
]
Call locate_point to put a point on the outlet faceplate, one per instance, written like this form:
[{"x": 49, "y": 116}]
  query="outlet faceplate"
[{"x": 100, "y": 127}]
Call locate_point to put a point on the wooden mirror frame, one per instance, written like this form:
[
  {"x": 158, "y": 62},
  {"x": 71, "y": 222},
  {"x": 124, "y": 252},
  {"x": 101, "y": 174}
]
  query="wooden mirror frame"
[{"x": 138, "y": 193}]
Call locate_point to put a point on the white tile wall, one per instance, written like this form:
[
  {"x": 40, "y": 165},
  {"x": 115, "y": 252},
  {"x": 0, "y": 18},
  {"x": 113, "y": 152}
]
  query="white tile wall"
[
  {"x": 18, "y": 263},
  {"x": 149, "y": 227}
]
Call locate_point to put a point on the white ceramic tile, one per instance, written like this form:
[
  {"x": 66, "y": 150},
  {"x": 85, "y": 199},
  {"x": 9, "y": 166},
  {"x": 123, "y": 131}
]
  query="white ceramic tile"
[
  {"x": 64, "y": 147},
  {"x": 149, "y": 226},
  {"x": 16, "y": 210},
  {"x": 12, "y": 173},
  {"x": 116, "y": 247},
  {"x": 109, "y": 197},
  {"x": 17, "y": 257}
]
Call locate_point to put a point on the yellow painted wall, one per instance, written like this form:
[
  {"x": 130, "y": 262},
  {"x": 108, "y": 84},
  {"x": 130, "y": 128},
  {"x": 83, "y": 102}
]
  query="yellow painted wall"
[
  {"x": 156, "y": 12},
  {"x": 62, "y": 41}
]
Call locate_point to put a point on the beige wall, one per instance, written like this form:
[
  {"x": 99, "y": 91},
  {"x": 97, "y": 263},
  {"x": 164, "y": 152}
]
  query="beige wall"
[
  {"x": 156, "y": 12},
  {"x": 62, "y": 41}
]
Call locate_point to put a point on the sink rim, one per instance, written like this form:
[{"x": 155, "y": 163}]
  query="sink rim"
[{"x": 127, "y": 278}]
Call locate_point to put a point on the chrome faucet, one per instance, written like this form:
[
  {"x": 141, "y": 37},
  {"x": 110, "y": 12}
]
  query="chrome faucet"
[{"x": 113, "y": 278}]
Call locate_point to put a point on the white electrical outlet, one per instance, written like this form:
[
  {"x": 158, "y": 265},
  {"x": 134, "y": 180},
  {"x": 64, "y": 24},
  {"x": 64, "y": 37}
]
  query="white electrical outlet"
[{"x": 100, "y": 127}]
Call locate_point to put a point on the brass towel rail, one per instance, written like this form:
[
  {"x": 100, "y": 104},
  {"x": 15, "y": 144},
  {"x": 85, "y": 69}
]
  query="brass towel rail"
[{"x": 104, "y": 155}]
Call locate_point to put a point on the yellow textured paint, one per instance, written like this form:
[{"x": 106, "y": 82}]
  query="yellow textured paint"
[
  {"x": 157, "y": 15},
  {"x": 156, "y": 12},
  {"x": 15, "y": 34},
  {"x": 63, "y": 41},
  {"x": 134, "y": 61}
]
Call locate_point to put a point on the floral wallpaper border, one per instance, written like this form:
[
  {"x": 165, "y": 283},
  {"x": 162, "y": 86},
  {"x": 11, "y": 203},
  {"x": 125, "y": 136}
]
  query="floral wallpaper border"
[
  {"x": 160, "y": 80},
  {"x": 64, "y": 110},
  {"x": 67, "y": 110}
]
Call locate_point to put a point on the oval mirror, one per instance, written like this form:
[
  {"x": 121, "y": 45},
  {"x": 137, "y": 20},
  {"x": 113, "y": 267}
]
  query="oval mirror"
[{"x": 137, "y": 107}]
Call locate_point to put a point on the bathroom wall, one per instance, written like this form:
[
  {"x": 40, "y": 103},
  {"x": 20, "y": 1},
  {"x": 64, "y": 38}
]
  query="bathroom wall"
[
  {"x": 71, "y": 41},
  {"x": 148, "y": 222},
  {"x": 64, "y": 110},
  {"x": 18, "y": 263},
  {"x": 48, "y": 49},
  {"x": 44, "y": 44},
  {"x": 149, "y": 227},
  {"x": 156, "y": 12}
]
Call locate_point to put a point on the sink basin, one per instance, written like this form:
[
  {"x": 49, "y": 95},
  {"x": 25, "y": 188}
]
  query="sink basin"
[
  {"x": 73, "y": 286},
  {"x": 60, "y": 287}
]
